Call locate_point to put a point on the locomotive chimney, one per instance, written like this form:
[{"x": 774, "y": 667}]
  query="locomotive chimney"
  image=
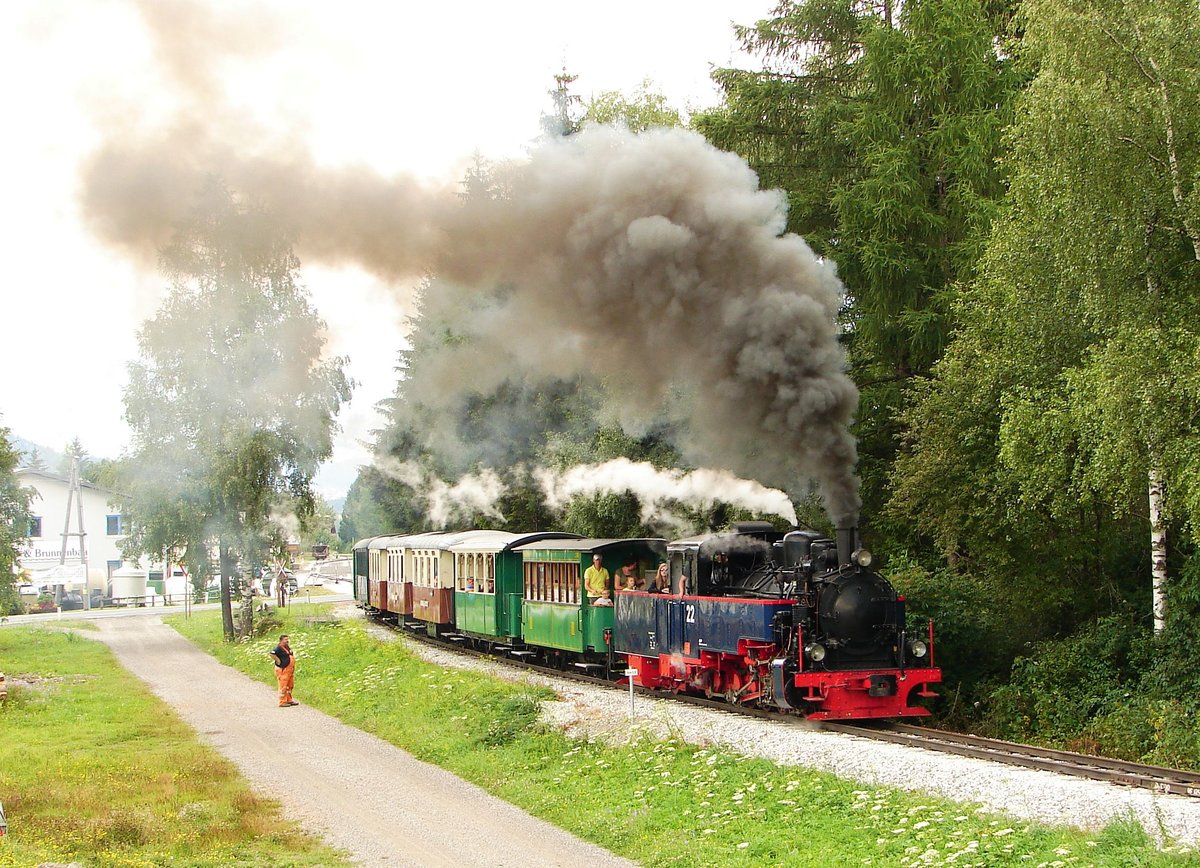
[{"x": 847, "y": 542}]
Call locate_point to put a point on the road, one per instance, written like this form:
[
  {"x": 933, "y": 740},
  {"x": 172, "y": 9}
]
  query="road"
[
  {"x": 362, "y": 794},
  {"x": 343, "y": 591}
]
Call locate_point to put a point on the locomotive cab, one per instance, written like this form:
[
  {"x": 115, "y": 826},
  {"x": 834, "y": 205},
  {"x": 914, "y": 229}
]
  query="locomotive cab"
[{"x": 719, "y": 565}]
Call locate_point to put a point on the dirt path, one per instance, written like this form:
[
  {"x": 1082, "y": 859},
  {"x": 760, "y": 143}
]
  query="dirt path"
[{"x": 359, "y": 792}]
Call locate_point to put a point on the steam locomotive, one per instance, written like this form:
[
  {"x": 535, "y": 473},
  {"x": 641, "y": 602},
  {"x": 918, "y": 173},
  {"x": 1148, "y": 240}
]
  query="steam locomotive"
[{"x": 793, "y": 621}]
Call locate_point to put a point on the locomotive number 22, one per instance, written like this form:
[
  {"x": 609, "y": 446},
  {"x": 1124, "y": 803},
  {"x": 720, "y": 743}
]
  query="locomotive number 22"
[{"x": 689, "y": 613}]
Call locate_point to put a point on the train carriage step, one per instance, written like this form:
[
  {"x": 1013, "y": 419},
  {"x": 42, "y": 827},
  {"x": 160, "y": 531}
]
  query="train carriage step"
[
  {"x": 588, "y": 666},
  {"x": 455, "y": 637},
  {"x": 517, "y": 653}
]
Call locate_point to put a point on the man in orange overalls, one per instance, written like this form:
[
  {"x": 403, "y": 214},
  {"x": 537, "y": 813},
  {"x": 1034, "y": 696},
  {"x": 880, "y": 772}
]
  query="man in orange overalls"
[{"x": 285, "y": 670}]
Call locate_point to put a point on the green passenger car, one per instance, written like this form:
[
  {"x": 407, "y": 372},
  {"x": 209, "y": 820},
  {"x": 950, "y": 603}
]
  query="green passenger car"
[
  {"x": 488, "y": 582},
  {"x": 556, "y": 612}
]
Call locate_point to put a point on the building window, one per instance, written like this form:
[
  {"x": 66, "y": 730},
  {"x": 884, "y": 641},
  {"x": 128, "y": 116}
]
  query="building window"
[
  {"x": 35, "y": 526},
  {"x": 115, "y": 524}
]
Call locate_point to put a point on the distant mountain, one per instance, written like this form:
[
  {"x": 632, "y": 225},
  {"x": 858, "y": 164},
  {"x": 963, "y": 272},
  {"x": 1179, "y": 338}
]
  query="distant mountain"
[
  {"x": 52, "y": 458},
  {"x": 337, "y": 504}
]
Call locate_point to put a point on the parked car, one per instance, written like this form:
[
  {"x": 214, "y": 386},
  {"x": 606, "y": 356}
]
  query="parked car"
[{"x": 71, "y": 600}]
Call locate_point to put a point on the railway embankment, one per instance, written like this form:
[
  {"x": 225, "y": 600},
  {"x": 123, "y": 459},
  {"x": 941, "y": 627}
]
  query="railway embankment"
[{"x": 680, "y": 785}]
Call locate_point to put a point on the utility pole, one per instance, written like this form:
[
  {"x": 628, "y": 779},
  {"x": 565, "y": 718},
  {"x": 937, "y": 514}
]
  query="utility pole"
[{"x": 75, "y": 491}]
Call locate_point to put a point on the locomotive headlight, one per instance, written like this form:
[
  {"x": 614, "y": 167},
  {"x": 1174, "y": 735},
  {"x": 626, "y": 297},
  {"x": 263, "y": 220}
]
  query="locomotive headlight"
[
  {"x": 918, "y": 648},
  {"x": 815, "y": 652},
  {"x": 862, "y": 558}
]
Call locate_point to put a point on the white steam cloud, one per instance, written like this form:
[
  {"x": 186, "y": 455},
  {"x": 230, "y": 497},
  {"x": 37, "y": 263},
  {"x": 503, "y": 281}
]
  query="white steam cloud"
[
  {"x": 657, "y": 489},
  {"x": 475, "y": 493}
]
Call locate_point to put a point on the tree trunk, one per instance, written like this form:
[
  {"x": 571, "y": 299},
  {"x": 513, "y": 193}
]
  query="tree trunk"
[
  {"x": 1158, "y": 550},
  {"x": 246, "y": 614},
  {"x": 226, "y": 562}
]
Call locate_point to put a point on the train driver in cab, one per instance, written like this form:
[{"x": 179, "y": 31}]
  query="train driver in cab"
[{"x": 596, "y": 583}]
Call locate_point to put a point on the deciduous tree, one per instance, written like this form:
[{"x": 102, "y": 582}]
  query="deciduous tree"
[
  {"x": 14, "y": 522},
  {"x": 644, "y": 109},
  {"x": 232, "y": 401},
  {"x": 1070, "y": 394}
]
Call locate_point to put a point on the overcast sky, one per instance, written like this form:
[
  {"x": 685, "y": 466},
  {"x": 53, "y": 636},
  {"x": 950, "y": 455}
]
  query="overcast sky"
[{"x": 399, "y": 88}]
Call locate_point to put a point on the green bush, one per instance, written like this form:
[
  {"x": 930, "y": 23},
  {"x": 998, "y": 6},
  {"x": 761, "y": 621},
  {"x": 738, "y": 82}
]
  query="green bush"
[
  {"x": 1157, "y": 731},
  {"x": 1055, "y": 692},
  {"x": 973, "y": 639}
]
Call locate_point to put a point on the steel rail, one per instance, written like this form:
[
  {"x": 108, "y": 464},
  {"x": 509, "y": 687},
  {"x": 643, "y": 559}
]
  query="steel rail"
[{"x": 1178, "y": 782}]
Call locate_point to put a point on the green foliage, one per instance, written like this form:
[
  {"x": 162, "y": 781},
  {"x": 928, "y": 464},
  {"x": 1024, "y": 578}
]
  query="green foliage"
[
  {"x": 1175, "y": 673},
  {"x": 14, "y": 522},
  {"x": 74, "y": 452},
  {"x": 1143, "y": 729},
  {"x": 605, "y": 516},
  {"x": 925, "y": 133},
  {"x": 1070, "y": 375},
  {"x": 1054, "y": 692},
  {"x": 1106, "y": 154},
  {"x": 563, "y": 120},
  {"x": 883, "y": 125},
  {"x": 975, "y": 637},
  {"x": 1111, "y": 687},
  {"x": 645, "y": 109}
]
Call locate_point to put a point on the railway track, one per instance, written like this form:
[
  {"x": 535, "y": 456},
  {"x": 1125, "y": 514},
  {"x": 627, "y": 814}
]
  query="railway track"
[
  {"x": 1163, "y": 780},
  {"x": 1119, "y": 772}
]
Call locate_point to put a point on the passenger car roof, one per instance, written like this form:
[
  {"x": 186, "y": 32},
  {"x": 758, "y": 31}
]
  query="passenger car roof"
[
  {"x": 403, "y": 540},
  {"x": 584, "y": 544},
  {"x": 499, "y": 541}
]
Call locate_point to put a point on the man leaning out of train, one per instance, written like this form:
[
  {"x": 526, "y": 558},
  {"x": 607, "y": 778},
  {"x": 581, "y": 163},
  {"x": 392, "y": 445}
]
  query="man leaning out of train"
[{"x": 596, "y": 583}]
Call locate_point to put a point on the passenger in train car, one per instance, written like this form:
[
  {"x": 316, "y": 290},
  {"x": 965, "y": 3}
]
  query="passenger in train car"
[
  {"x": 661, "y": 584},
  {"x": 629, "y": 578},
  {"x": 596, "y": 583}
]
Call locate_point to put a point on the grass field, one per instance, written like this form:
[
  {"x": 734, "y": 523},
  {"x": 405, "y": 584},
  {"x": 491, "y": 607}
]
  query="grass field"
[
  {"x": 656, "y": 802},
  {"x": 95, "y": 769}
]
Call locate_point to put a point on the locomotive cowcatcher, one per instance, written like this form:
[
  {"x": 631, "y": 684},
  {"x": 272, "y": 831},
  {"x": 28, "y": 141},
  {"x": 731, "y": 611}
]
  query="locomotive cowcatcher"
[{"x": 791, "y": 620}]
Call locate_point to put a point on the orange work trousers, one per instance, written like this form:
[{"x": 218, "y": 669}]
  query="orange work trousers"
[{"x": 286, "y": 676}]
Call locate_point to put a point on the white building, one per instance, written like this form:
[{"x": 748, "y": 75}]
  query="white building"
[{"x": 42, "y": 550}]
